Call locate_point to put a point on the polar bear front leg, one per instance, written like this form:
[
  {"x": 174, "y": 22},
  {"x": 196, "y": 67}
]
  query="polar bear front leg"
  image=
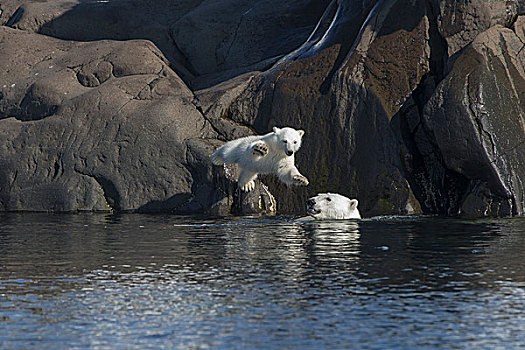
[
  {"x": 300, "y": 180},
  {"x": 246, "y": 180},
  {"x": 291, "y": 176},
  {"x": 259, "y": 149}
]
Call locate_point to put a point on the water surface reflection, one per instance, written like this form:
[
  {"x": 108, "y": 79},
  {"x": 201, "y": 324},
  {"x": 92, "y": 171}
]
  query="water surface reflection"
[{"x": 154, "y": 281}]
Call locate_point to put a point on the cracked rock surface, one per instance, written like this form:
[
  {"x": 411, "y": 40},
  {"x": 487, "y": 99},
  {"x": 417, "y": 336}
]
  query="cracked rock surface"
[{"x": 411, "y": 106}]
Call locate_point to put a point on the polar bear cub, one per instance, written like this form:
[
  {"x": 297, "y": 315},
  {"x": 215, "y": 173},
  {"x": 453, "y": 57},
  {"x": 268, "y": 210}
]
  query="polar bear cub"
[
  {"x": 264, "y": 154},
  {"x": 331, "y": 206}
]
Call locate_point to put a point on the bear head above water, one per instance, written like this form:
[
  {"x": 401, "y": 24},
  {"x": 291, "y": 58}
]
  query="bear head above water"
[{"x": 330, "y": 206}]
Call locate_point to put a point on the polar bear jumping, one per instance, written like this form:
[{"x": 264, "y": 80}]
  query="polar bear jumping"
[
  {"x": 331, "y": 206},
  {"x": 264, "y": 154}
]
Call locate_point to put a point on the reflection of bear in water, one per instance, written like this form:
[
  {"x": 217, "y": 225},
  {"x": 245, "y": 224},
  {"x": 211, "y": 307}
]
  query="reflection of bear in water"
[
  {"x": 271, "y": 153},
  {"x": 331, "y": 206}
]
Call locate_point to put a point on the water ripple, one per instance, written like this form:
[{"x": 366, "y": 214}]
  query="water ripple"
[{"x": 164, "y": 282}]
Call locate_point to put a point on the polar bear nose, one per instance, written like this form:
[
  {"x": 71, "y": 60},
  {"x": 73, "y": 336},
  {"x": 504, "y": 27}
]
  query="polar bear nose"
[
  {"x": 289, "y": 153},
  {"x": 310, "y": 202}
]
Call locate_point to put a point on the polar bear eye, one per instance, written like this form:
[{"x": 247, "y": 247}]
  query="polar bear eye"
[
  {"x": 328, "y": 199},
  {"x": 285, "y": 141},
  {"x": 295, "y": 142}
]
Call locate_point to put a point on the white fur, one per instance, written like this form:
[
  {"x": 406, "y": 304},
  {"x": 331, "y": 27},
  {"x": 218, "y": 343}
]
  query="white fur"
[
  {"x": 279, "y": 160},
  {"x": 331, "y": 206}
]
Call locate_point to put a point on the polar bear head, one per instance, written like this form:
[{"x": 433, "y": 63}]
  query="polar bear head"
[
  {"x": 289, "y": 139},
  {"x": 332, "y": 206}
]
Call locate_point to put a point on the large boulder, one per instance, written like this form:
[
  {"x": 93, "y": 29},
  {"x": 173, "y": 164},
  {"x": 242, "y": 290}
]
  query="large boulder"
[
  {"x": 476, "y": 119},
  {"x": 460, "y": 22}
]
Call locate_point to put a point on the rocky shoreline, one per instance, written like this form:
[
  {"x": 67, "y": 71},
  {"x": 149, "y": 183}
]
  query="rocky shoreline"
[{"x": 410, "y": 106}]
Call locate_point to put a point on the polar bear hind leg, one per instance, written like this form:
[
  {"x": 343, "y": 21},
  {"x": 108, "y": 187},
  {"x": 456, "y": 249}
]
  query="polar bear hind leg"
[{"x": 247, "y": 180}]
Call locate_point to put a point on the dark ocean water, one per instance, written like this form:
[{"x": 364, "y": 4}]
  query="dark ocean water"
[{"x": 93, "y": 281}]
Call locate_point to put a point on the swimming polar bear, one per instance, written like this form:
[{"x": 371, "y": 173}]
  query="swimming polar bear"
[
  {"x": 331, "y": 206},
  {"x": 264, "y": 154}
]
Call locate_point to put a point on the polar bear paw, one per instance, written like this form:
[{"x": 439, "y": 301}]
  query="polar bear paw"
[
  {"x": 260, "y": 149},
  {"x": 249, "y": 186},
  {"x": 300, "y": 180}
]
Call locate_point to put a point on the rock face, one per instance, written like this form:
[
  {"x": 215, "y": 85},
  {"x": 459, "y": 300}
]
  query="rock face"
[
  {"x": 409, "y": 106},
  {"x": 481, "y": 103},
  {"x": 101, "y": 126}
]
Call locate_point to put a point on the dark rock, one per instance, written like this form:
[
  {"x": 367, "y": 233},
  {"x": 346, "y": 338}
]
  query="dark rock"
[
  {"x": 519, "y": 28},
  {"x": 481, "y": 202},
  {"x": 215, "y": 102},
  {"x": 476, "y": 119},
  {"x": 221, "y": 36},
  {"x": 343, "y": 98},
  {"x": 229, "y": 199},
  {"x": 461, "y": 22},
  {"x": 98, "y": 20},
  {"x": 124, "y": 144},
  {"x": 409, "y": 106}
]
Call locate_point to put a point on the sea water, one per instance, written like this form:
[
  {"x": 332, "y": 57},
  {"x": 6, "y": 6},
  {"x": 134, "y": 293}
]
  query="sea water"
[{"x": 94, "y": 281}]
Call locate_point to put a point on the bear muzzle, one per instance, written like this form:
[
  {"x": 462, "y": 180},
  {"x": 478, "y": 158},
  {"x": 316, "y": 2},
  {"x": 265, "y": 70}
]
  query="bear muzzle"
[{"x": 310, "y": 207}]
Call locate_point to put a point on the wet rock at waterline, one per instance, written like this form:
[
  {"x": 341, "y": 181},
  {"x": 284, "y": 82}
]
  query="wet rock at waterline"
[
  {"x": 476, "y": 120},
  {"x": 410, "y": 106}
]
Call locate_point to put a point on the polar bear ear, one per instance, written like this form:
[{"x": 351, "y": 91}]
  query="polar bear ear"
[
  {"x": 353, "y": 204},
  {"x": 276, "y": 129},
  {"x": 301, "y": 133}
]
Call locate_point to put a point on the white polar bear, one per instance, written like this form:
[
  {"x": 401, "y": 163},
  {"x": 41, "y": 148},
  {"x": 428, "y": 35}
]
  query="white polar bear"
[
  {"x": 331, "y": 206},
  {"x": 264, "y": 154}
]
